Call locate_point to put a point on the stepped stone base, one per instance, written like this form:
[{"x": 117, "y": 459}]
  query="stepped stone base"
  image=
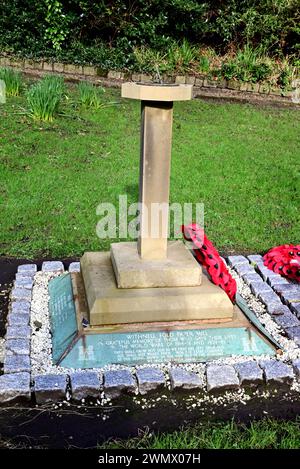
[
  {"x": 178, "y": 269},
  {"x": 109, "y": 304}
]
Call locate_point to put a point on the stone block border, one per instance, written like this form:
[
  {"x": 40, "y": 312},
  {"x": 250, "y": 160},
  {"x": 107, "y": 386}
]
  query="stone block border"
[
  {"x": 199, "y": 82},
  {"x": 227, "y": 377}
]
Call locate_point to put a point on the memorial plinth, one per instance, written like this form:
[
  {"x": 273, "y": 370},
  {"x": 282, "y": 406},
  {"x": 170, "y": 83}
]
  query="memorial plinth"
[
  {"x": 79, "y": 345},
  {"x": 109, "y": 304}
]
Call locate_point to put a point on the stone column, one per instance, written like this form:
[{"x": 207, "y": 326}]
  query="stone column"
[{"x": 155, "y": 162}]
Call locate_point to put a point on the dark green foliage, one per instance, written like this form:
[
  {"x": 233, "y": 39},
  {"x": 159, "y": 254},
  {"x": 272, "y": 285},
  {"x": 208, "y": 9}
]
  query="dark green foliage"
[
  {"x": 171, "y": 36},
  {"x": 248, "y": 65},
  {"x": 78, "y": 27}
]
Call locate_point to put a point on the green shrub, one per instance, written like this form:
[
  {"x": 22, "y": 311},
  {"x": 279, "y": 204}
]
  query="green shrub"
[
  {"x": 149, "y": 60},
  {"x": 44, "y": 98},
  {"x": 13, "y": 81},
  {"x": 260, "y": 71},
  {"x": 90, "y": 95},
  {"x": 203, "y": 64},
  {"x": 285, "y": 76},
  {"x": 248, "y": 65},
  {"x": 29, "y": 28},
  {"x": 182, "y": 55},
  {"x": 229, "y": 70}
]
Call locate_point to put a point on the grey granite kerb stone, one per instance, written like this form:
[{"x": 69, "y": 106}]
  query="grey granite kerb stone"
[
  {"x": 15, "y": 382},
  {"x": 52, "y": 266},
  {"x": 17, "y": 347},
  {"x": 74, "y": 267},
  {"x": 85, "y": 385},
  {"x": 149, "y": 379},
  {"x": 221, "y": 377},
  {"x": 15, "y": 386},
  {"x": 249, "y": 373},
  {"x": 26, "y": 269},
  {"x": 183, "y": 379},
  {"x": 49, "y": 388},
  {"x": 237, "y": 260},
  {"x": 16, "y": 363},
  {"x": 277, "y": 372},
  {"x": 117, "y": 382}
]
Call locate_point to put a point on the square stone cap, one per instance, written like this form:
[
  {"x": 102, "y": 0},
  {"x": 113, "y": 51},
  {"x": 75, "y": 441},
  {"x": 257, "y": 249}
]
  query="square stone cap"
[{"x": 156, "y": 92}]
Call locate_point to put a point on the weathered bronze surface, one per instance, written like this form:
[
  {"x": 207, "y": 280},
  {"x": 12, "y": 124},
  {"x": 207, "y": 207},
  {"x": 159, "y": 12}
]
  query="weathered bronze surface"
[{"x": 132, "y": 344}]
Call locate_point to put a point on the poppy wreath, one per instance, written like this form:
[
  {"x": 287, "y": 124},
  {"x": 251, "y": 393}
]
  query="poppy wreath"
[
  {"x": 207, "y": 255},
  {"x": 284, "y": 260}
]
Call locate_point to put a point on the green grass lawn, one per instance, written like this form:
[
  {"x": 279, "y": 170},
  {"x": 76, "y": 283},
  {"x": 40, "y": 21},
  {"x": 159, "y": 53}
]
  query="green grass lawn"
[
  {"x": 241, "y": 161},
  {"x": 264, "y": 434}
]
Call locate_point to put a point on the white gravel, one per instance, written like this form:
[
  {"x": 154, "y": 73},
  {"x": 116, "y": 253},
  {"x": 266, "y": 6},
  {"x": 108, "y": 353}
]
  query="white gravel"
[
  {"x": 291, "y": 350},
  {"x": 41, "y": 345}
]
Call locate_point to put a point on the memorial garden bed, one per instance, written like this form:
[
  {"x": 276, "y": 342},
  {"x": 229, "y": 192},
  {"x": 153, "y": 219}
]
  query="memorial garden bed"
[{"x": 157, "y": 396}]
